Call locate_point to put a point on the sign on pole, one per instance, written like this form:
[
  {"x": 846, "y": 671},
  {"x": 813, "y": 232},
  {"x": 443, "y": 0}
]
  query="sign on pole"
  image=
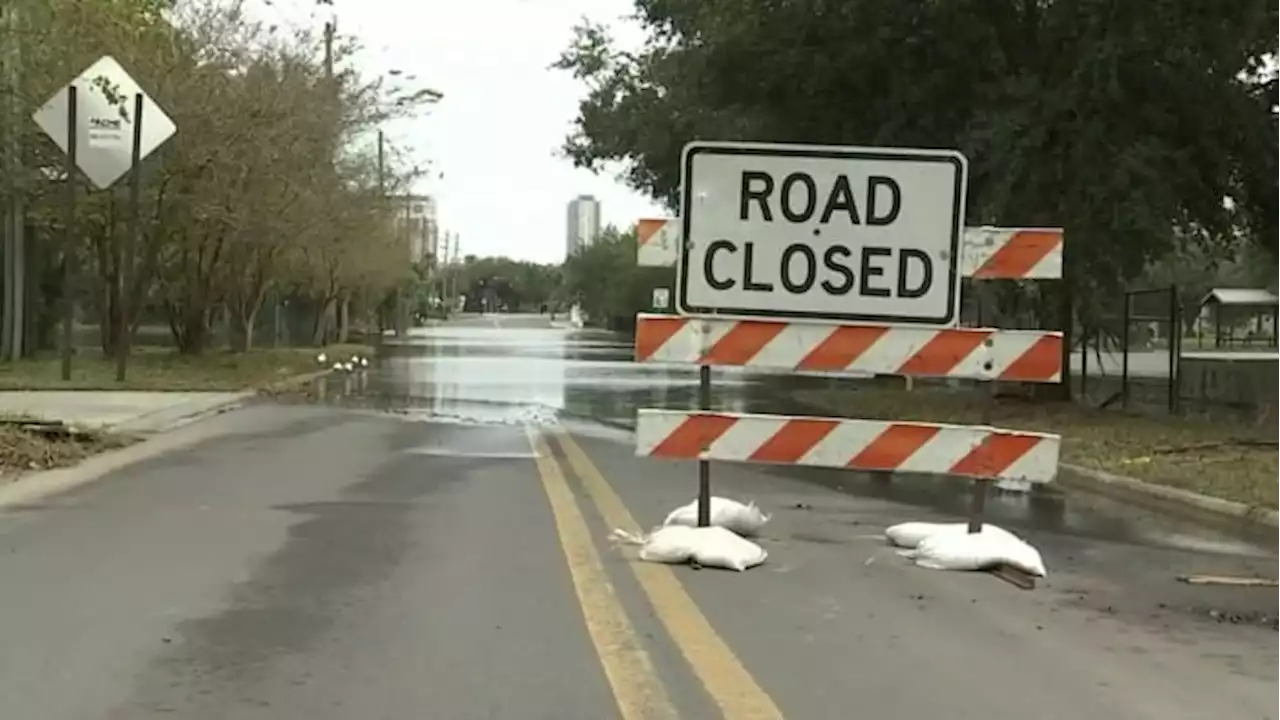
[
  {"x": 825, "y": 233},
  {"x": 661, "y": 298},
  {"x": 105, "y": 95}
]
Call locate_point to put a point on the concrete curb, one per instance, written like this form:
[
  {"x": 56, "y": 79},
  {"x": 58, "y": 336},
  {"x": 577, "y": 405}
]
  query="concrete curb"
[
  {"x": 171, "y": 418},
  {"x": 293, "y": 380},
  {"x": 1143, "y": 493},
  {"x": 183, "y": 414}
]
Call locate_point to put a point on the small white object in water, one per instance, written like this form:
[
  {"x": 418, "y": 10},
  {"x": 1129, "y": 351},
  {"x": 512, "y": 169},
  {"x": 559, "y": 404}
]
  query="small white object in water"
[
  {"x": 364, "y": 362},
  {"x": 322, "y": 358},
  {"x": 348, "y": 367}
]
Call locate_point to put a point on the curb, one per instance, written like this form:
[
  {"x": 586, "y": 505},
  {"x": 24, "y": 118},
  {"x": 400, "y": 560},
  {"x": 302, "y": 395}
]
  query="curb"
[
  {"x": 1144, "y": 493},
  {"x": 305, "y": 377},
  {"x": 144, "y": 425}
]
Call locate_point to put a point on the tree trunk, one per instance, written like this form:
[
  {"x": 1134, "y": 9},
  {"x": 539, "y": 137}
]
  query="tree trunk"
[
  {"x": 191, "y": 328},
  {"x": 242, "y": 329},
  {"x": 320, "y": 330},
  {"x": 344, "y": 319}
]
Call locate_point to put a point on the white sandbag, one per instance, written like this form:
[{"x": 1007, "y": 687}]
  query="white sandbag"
[
  {"x": 707, "y": 546},
  {"x": 909, "y": 534},
  {"x": 948, "y": 550},
  {"x": 664, "y": 545},
  {"x": 723, "y": 548},
  {"x": 745, "y": 520}
]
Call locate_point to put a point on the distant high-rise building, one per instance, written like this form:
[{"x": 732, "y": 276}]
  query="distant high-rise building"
[
  {"x": 582, "y": 223},
  {"x": 416, "y": 218}
]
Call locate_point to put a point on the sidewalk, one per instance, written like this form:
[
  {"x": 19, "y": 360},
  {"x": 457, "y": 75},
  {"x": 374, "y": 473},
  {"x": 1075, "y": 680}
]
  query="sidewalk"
[{"x": 141, "y": 413}]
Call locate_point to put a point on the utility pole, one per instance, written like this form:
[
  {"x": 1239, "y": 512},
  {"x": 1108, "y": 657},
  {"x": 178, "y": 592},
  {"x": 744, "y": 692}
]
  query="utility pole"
[
  {"x": 14, "y": 226},
  {"x": 330, "y": 29},
  {"x": 453, "y": 276},
  {"x": 341, "y": 309}
]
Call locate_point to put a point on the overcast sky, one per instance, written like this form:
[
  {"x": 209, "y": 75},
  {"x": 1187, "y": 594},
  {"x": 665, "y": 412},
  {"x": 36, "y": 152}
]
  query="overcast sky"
[{"x": 495, "y": 135}]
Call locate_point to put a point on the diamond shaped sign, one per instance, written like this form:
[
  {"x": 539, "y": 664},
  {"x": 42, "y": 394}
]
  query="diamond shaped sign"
[{"x": 104, "y": 121}]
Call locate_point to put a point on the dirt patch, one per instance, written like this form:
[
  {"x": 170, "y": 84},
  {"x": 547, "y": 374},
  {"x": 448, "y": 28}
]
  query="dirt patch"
[
  {"x": 1233, "y": 462},
  {"x": 29, "y": 446}
]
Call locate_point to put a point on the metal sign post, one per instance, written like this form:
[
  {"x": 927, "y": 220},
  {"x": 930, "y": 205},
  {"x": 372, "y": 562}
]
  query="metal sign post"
[
  {"x": 126, "y": 246},
  {"x": 68, "y": 240},
  {"x": 90, "y": 119}
]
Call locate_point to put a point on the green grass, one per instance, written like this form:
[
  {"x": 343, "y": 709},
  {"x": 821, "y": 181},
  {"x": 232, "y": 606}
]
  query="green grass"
[{"x": 162, "y": 369}]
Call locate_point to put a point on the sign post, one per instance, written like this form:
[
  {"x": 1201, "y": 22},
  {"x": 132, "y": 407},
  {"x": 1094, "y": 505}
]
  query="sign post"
[
  {"x": 92, "y": 120},
  {"x": 68, "y": 240}
]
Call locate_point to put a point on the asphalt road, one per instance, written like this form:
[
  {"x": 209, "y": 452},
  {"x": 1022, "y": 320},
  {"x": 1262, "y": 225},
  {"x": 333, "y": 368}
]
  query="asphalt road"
[{"x": 438, "y": 551}]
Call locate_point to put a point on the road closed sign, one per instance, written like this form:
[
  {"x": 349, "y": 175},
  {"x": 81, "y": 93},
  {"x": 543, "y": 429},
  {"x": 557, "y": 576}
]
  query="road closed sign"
[{"x": 846, "y": 234}]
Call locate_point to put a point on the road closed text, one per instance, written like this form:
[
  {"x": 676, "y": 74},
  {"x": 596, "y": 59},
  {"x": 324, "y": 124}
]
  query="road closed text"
[
  {"x": 868, "y": 271},
  {"x": 822, "y": 237}
]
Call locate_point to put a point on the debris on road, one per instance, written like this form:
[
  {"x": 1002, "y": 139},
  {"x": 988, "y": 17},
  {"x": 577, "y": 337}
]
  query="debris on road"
[
  {"x": 950, "y": 546},
  {"x": 28, "y": 444},
  {"x": 703, "y": 546},
  {"x": 1229, "y": 580},
  {"x": 745, "y": 520}
]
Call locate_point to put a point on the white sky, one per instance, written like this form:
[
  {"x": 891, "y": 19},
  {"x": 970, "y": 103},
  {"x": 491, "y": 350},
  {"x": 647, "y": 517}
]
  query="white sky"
[{"x": 495, "y": 135}]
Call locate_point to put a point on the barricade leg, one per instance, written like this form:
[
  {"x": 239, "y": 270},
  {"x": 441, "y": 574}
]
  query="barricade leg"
[{"x": 704, "y": 465}]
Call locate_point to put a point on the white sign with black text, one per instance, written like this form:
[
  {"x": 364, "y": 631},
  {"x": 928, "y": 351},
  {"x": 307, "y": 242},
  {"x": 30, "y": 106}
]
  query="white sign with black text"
[
  {"x": 847, "y": 234},
  {"x": 105, "y": 97}
]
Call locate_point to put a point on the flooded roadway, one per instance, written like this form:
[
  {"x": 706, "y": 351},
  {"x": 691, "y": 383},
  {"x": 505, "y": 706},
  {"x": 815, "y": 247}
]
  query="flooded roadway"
[
  {"x": 519, "y": 369},
  {"x": 432, "y": 542}
]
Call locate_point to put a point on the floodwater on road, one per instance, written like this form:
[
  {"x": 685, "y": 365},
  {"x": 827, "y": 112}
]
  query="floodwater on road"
[{"x": 515, "y": 369}]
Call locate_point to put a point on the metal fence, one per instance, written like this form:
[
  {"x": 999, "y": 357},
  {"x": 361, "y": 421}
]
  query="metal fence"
[{"x": 1130, "y": 359}]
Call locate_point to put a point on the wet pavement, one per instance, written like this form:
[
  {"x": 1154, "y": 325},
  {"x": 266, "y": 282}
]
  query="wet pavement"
[
  {"x": 518, "y": 369},
  {"x": 428, "y": 541}
]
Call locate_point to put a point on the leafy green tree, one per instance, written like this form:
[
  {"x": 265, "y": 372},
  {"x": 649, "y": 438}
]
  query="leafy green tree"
[
  {"x": 604, "y": 280},
  {"x": 515, "y": 284},
  {"x": 270, "y": 187},
  {"x": 1117, "y": 121}
]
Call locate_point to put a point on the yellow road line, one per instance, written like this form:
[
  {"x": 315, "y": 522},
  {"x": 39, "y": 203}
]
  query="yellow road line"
[
  {"x": 721, "y": 672},
  {"x": 636, "y": 688}
]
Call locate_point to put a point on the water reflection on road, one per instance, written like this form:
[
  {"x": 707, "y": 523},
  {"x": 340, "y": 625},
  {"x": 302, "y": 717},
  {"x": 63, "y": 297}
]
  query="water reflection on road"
[{"x": 520, "y": 369}]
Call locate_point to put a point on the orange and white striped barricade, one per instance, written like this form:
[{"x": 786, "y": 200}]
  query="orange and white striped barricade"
[
  {"x": 977, "y": 452},
  {"x": 657, "y": 242},
  {"x": 988, "y": 253},
  {"x": 906, "y": 350}
]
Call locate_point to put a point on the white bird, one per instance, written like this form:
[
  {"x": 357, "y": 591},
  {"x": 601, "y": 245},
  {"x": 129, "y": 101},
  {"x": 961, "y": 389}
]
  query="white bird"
[
  {"x": 355, "y": 359},
  {"x": 348, "y": 367},
  {"x": 337, "y": 366},
  {"x": 322, "y": 358},
  {"x": 364, "y": 362}
]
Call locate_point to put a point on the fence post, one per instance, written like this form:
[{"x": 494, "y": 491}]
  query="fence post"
[
  {"x": 1084, "y": 365},
  {"x": 1124, "y": 350},
  {"x": 1175, "y": 349}
]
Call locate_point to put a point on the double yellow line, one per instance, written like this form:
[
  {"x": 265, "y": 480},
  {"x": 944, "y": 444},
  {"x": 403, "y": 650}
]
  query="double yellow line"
[{"x": 639, "y": 692}]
